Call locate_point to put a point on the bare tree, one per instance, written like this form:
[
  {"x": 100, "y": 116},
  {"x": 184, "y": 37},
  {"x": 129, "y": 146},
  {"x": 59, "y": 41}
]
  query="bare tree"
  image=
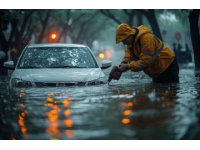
[
  {"x": 44, "y": 16},
  {"x": 81, "y": 26},
  {"x": 20, "y": 32},
  {"x": 110, "y": 15},
  {"x": 71, "y": 25},
  {"x": 5, "y": 45},
  {"x": 151, "y": 17}
]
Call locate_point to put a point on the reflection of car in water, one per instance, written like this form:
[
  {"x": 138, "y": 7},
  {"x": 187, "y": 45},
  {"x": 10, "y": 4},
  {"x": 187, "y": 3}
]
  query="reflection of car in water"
[{"x": 51, "y": 65}]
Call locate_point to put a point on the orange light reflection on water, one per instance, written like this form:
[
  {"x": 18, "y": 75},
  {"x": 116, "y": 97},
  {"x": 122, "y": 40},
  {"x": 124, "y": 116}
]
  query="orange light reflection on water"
[
  {"x": 127, "y": 112},
  {"x": 69, "y": 133},
  {"x": 68, "y": 122},
  {"x": 126, "y": 121}
]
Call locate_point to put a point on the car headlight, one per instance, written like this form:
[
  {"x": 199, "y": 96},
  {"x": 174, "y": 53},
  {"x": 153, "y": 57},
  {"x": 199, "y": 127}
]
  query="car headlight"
[
  {"x": 98, "y": 81},
  {"x": 16, "y": 82}
]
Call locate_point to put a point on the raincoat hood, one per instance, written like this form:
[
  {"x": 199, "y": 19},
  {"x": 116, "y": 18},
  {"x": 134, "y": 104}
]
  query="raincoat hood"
[{"x": 123, "y": 31}]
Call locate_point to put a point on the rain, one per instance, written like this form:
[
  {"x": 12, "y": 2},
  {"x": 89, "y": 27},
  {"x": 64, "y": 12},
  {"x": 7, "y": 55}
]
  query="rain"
[{"x": 131, "y": 108}]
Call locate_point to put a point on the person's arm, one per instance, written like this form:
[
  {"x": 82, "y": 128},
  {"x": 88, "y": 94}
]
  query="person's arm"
[
  {"x": 148, "y": 46},
  {"x": 126, "y": 59},
  {"x": 127, "y": 56}
]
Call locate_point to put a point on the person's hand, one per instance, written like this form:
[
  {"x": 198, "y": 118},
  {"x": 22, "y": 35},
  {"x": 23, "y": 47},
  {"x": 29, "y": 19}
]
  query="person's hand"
[
  {"x": 122, "y": 63},
  {"x": 124, "y": 67}
]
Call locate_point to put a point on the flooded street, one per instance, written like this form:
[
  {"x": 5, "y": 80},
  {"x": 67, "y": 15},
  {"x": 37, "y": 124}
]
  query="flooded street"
[{"x": 131, "y": 108}]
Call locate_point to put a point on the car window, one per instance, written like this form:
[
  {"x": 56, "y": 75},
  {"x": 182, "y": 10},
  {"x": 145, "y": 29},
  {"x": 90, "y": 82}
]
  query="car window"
[{"x": 57, "y": 57}]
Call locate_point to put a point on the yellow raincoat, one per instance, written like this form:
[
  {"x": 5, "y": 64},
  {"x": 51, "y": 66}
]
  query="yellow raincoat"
[{"x": 148, "y": 52}]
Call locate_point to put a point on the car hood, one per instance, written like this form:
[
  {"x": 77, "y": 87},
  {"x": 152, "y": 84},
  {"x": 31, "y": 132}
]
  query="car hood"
[{"x": 59, "y": 75}]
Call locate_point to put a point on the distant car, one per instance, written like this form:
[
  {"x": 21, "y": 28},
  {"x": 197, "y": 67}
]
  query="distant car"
[
  {"x": 103, "y": 54},
  {"x": 2, "y": 54},
  {"x": 54, "y": 65}
]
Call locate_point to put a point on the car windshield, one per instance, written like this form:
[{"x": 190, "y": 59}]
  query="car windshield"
[{"x": 57, "y": 57}]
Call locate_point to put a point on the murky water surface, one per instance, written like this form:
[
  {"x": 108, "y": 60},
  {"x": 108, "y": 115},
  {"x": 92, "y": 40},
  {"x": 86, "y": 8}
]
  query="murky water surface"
[{"x": 131, "y": 108}]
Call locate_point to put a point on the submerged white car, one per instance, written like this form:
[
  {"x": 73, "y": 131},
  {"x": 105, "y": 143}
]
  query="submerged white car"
[{"x": 53, "y": 65}]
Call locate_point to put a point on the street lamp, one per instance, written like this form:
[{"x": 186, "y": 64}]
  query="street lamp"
[{"x": 53, "y": 37}]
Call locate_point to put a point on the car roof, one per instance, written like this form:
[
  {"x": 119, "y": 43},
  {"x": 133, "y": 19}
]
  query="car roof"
[{"x": 55, "y": 45}]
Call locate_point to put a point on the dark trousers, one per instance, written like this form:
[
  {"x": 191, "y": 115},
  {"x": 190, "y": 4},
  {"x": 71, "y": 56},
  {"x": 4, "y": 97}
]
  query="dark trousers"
[{"x": 171, "y": 74}]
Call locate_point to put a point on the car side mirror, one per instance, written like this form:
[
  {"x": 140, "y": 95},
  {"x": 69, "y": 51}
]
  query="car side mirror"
[
  {"x": 106, "y": 64},
  {"x": 9, "y": 65}
]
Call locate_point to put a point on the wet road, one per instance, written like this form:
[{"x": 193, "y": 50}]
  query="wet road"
[{"x": 131, "y": 108}]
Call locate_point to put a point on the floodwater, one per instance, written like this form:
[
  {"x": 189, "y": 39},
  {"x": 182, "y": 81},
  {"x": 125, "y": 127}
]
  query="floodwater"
[{"x": 131, "y": 108}]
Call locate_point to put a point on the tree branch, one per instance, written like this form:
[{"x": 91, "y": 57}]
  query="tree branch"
[{"x": 107, "y": 13}]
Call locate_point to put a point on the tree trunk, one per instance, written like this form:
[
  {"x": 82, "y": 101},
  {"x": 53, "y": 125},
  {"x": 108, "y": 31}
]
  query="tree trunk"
[
  {"x": 4, "y": 47},
  {"x": 130, "y": 19},
  {"x": 154, "y": 24},
  {"x": 41, "y": 36},
  {"x": 89, "y": 43},
  {"x": 195, "y": 37},
  {"x": 139, "y": 19},
  {"x": 3, "y": 70},
  {"x": 151, "y": 17}
]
